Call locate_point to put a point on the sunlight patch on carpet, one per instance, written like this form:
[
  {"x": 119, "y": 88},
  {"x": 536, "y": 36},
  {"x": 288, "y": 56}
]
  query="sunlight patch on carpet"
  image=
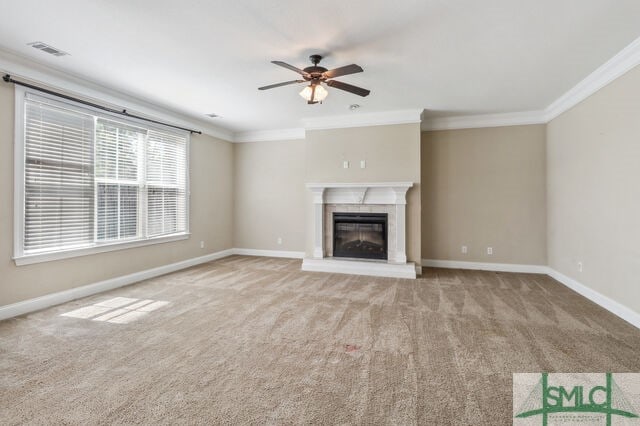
[{"x": 119, "y": 310}]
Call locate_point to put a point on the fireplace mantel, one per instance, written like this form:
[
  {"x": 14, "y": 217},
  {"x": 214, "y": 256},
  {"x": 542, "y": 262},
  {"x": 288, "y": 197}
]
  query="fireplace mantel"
[
  {"x": 360, "y": 193},
  {"x": 348, "y": 195}
]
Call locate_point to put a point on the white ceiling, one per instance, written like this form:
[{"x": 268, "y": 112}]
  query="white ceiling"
[{"x": 450, "y": 57}]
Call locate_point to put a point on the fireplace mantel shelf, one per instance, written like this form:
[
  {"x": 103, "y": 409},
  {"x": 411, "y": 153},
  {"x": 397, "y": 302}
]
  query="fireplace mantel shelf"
[
  {"x": 393, "y": 194},
  {"x": 361, "y": 185},
  {"x": 360, "y": 193}
]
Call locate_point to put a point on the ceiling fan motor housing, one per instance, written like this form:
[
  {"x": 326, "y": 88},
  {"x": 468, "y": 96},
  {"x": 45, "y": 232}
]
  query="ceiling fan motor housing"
[
  {"x": 315, "y": 72},
  {"x": 315, "y": 59}
]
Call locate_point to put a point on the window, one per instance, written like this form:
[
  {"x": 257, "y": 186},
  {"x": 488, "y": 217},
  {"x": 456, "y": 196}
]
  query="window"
[{"x": 88, "y": 182}]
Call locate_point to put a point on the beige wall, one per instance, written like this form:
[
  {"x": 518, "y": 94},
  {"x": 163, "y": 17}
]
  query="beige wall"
[
  {"x": 270, "y": 195},
  {"x": 484, "y": 188},
  {"x": 270, "y": 180},
  {"x": 593, "y": 157},
  {"x": 210, "y": 221},
  {"x": 392, "y": 154}
]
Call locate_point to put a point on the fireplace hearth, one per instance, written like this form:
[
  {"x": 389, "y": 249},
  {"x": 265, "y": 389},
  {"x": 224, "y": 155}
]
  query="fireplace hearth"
[{"x": 360, "y": 235}]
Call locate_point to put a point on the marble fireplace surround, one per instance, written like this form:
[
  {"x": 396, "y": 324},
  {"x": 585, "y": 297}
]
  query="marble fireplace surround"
[{"x": 387, "y": 197}]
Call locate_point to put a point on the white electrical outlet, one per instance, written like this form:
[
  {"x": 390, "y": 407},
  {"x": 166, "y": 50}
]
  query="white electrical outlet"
[
  {"x": 201, "y": 244},
  {"x": 464, "y": 249},
  {"x": 489, "y": 250},
  {"x": 363, "y": 164},
  {"x": 279, "y": 240},
  {"x": 345, "y": 164},
  {"x": 579, "y": 266}
]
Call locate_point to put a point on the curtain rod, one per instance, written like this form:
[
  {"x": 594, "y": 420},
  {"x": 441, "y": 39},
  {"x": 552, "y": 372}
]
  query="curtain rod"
[{"x": 124, "y": 112}]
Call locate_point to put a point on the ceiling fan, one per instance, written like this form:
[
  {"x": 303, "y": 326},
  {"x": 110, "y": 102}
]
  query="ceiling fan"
[{"x": 316, "y": 75}]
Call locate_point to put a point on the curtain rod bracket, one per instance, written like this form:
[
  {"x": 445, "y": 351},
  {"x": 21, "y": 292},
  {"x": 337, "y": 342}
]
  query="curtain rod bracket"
[{"x": 7, "y": 78}]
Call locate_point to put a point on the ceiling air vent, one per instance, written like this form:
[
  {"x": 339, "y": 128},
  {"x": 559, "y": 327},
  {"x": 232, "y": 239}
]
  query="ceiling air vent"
[{"x": 46, "y": 48}]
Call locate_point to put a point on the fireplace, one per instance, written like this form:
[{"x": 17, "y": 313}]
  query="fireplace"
[
  {"x": 360, "y": 235},
  {"x": 388, "y": 236}
]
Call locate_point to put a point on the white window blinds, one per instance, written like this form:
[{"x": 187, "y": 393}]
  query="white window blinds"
[
  {"x": 119, "y": 184},
  {"x": 166, "y": 183},
  {"x": 58, "y": 181},
  {"x": 90, "y": 180}
]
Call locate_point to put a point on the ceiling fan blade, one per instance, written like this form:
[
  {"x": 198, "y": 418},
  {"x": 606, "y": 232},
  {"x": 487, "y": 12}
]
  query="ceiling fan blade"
[
  {"x": 346, "y": 70},
  {"x": 348, "y": 88},
  {"x": 271, "y": 86},
  {"x": 291, "y": 67}
]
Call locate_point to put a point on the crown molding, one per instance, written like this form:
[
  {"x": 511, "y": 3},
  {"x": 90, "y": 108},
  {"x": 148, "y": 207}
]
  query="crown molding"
[
  {"x": 359, "y": 119},
  {"x": 36, "y": 72},
  {"x": 270, "y": 135},
  {"x": 624, "y": 61},
  {"x": 485, "y": 120},
  {"x": 28, "y": 69},
  {"x": 621, "y": 63},
  {"x": 332, "y": 122}
]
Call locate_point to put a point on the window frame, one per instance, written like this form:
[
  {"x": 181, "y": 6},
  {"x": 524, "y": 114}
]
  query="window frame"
[{"x": 22, "y": 94}]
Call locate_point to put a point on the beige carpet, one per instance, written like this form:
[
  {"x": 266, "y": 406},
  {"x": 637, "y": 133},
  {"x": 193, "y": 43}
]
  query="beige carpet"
[{"x": 256, "y": 341}]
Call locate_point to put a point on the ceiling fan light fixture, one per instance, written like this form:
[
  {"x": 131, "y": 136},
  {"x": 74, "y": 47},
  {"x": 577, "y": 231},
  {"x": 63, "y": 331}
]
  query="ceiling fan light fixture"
[{"x": 308, "y": 93}]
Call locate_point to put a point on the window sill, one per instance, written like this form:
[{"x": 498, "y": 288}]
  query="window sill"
[{"x": 66, "y": 254}]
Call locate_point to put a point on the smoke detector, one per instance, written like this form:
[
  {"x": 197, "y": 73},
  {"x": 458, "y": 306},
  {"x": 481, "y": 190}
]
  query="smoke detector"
[
  {"x": 48, "y": 49},
  {"x": 354, "y": 107}
]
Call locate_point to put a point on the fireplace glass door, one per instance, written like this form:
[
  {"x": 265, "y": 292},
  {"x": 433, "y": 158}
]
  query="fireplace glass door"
[{"x": 360, "y": 235}]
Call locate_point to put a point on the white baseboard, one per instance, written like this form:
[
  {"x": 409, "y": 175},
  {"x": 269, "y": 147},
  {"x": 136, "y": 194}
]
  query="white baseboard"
[
  {"x": 269, "y": 253},
  {"x": 31, "y": 305},
  {"x": 38, "y": 303},
  {"x": 616, "y": 308},
  {"x": 498, "y": 267},
  {"x": 627, "y": 314}
]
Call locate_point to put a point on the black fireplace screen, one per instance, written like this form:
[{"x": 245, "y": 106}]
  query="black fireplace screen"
[{"x": 360, "y": 235}]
